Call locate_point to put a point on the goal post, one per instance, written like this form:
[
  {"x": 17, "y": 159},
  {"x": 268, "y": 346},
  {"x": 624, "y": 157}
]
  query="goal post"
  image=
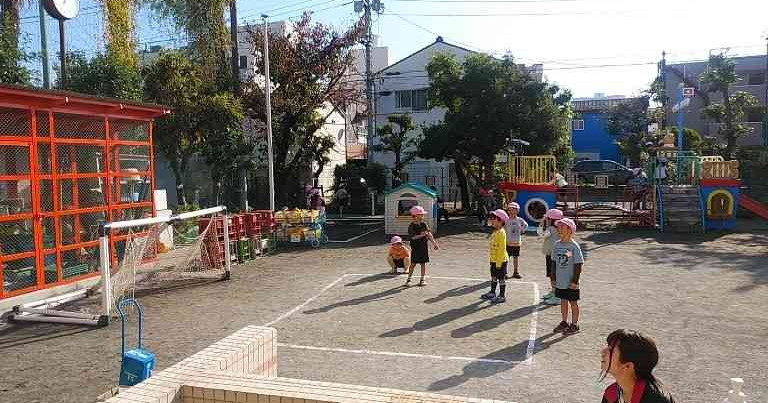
[{"x": 129, "y": 255}]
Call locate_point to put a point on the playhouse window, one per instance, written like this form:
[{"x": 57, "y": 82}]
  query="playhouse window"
[
  {"x": 404, "y": 207},
  {"x": 720, "y": 206}
]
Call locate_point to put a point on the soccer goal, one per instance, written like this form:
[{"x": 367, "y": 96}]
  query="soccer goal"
[{"x": 146, "y": 254}]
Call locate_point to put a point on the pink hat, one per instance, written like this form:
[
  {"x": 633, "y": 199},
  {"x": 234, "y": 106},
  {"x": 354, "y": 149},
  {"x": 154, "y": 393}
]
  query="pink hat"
[
  {"x": 568, "y": 223},
  {"x": 395, "y": 239},
  {"x": 501, "y": 215},
  {"x": 514, "y": 206},
  {"x": 554, "y": 214},
  {"x": 418, "y": 210}
]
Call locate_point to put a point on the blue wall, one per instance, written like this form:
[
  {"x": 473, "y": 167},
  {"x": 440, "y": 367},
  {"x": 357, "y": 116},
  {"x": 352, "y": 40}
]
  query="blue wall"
[{"x": 595, "y": 138}]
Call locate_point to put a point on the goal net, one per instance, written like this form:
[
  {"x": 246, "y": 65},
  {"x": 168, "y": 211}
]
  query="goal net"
[{"x": 162, "y": 252}]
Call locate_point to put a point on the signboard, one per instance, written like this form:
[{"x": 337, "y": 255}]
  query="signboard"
[
  {"x": 688, "y": 92},
  {"x": 682, "y": 104}
]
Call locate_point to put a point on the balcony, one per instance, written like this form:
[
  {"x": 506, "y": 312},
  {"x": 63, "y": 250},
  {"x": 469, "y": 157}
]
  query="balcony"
[{"x": 357, "y": 151}]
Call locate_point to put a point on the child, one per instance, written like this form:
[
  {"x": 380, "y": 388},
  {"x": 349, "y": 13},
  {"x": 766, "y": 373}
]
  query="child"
[
  {"x": 498, "y": 256},
  {"x": 549, "y": 232},
  {"x": 420, "y": 234},
  {"x": 514, "y": 227},
  {"x": 398, "y": 255},
  {"x": 567, "y": 258}
]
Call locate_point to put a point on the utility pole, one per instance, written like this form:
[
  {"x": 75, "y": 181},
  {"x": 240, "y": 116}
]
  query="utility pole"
[
  {"x": 62, "y": 54},
  {"x": 366, "y": 6},
  {"x": 44, "y": 48},
  {"x": 765, "y": 99},
  {"x": 268, "y": 96},
  {"x": 242, "y": 172}
]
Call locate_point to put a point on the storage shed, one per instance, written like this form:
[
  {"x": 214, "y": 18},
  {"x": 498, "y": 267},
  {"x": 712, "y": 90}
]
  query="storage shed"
[{"x": 398, "y": 203}]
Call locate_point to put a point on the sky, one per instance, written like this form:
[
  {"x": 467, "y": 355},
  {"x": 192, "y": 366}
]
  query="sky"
[{"x": 587, "y": 46}]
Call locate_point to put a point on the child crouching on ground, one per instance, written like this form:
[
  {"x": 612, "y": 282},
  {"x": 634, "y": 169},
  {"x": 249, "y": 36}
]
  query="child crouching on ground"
[
  {"x": 498, "y": 256},
  {"x": 549, "y": 232},
  {"x": 568, "y": 260},
  {"x": 398, "y": 255}
]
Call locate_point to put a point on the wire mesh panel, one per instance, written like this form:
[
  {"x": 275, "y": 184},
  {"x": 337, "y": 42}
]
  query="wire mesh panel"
[
  {"x": 14, "y": 159},
  {"x": 15, "y": 122},
  {"x": 130, "y": 158},
  {"x": 78, "y": 126},
  {"x": 80, "y": 158},
  {"x": 17, "y": 248},
  {"x": 43, "y": 124},
  {"x": 128, "y": 130},
  {"x": 79, "y": 262}
]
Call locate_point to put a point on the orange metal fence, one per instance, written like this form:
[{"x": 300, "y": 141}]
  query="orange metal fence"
[{"x": 64, "y": 171}]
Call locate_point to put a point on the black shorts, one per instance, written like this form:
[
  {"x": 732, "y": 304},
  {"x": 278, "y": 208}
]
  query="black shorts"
[
  {"x": 567, "y": 294},
  {"x": 549, "y": 266},
  {"x": 499, "y": 272},
  {"x": 399, "y": 263},
  {"x": 513, "y": 251}
]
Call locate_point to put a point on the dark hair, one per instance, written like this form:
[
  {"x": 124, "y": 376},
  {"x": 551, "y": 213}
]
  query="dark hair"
[{"x": 637, "y": 348}]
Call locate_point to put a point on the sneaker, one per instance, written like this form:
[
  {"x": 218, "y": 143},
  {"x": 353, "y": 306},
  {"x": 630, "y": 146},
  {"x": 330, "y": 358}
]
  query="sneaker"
[
  {"x": 561, "y": 327},
  {"x": 499, "y": 300},
  {"x": 548, "y": 295},
  {"x": 407, "y": 281},
  {"x": 517, "y": 275},
  {"x": 422, "y": 283},
  {"x": 552, "y": 301},
  {"x": 572, "y": 329},
  {"x": 488, "y": 296}
]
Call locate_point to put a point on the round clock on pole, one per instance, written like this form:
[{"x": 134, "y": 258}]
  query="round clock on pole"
[{"x": 62, "y": 9}]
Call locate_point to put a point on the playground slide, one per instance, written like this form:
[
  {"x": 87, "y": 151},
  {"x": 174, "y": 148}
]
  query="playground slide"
[{"x": 753, "y": 206}]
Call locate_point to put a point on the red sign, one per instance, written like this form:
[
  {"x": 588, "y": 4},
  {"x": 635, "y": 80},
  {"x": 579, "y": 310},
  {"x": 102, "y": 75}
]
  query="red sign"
[{"x": 688, "y": 92}]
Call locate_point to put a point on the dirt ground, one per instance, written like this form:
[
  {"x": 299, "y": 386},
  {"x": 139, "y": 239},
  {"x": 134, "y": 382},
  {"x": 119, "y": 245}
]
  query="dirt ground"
[{"x": 703, "y": 297}]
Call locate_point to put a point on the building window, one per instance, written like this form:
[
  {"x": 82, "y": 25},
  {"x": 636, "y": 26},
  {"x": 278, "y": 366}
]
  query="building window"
[
  {"x": 411, "y": 99},
  {"x": 578, "y": 124},
  {"x": 754, "y": 114},
  {"x": 430, "y": 180},
  {"x": 756, "y": 78},
  {"x": 243, "y": 62}
]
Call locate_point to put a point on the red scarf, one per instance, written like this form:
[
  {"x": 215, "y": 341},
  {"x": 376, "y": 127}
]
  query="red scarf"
[{"x": 612, "y": 392}]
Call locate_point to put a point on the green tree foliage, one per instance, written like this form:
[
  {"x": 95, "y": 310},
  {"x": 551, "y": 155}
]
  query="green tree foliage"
[
  {"x": 489, "y": 101},
  {"x": 628, "y": 123},
  {"x": 441, "y": 141},
  {"x": 306, "y": 69},
  {"x": 219, "y": 119},
  {"x": 12, "y": 56},
  {"x": 349, "y": 175},
  {"x": 104, "y": 75},
  {"x": 394, "y": 137},
  {"x": 719, "y": 78},
  {"x": 120, "y": 27}
]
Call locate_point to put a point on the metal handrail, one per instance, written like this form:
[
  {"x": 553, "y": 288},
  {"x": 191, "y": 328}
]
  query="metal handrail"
[{"x": 660, "y": 199}]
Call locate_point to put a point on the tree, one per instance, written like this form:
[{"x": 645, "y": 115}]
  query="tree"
[
  {"x": 120, "y": 28},
  {"x": 105, "y": 74},
  {"x": 12, "y": 56},
  {"x": 9, "y": 11},
  {"x": 440, "y": 142},
  {"x": 628, "y": 122},
  {"x": 174, "y": 81},
  {"x": 489, "y": 101},
  {"x": 393, "y": 137},
  {"x": 307, "y": 67},
  {"x": 719, "y": 77}
]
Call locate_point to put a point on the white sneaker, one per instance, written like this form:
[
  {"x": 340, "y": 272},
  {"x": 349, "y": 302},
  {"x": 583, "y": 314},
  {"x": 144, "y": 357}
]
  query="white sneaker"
[
  {"x": 552, "y": 301},
  {"x": 548, "y": 295}
]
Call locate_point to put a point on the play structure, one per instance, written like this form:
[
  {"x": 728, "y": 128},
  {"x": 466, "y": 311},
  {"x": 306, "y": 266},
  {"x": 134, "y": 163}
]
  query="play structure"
[
  {"x": 398, "y": 203},
  {"x": 68, "y": 163},
  {"x": 695, "y": 193}
]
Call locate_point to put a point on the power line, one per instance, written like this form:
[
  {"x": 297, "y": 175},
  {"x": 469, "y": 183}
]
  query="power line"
[
  {"x": 524, "y": 14},
  {"x": 492, "y": 1},
  {"x": 310, "y": 10}
]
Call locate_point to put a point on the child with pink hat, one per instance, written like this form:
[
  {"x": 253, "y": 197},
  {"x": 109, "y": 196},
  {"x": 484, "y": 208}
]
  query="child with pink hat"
[
  {"x": 549, "y": 232},
  {"x": 419, "y": 232},
  {"x": 398, "y": 255},
  {"x": 568, "y": 260},
  {"x": 515, "y": 227}
]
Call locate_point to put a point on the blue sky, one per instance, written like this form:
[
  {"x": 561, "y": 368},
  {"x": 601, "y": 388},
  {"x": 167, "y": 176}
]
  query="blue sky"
[{"x": 589, "y": 46}]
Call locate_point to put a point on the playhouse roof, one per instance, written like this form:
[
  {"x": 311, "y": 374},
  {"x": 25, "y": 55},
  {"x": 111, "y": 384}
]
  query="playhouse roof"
[
  {"x": 25, "y": 97},
  {"x": 415, "y": 186}
]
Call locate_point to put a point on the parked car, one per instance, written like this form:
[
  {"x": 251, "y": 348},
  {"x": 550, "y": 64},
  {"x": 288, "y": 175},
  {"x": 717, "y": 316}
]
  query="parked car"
[{"x": 586, "y": 171}]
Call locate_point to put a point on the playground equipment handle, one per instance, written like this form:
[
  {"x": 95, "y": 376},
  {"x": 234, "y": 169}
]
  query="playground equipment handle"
[{"x": 120, "y": 306}]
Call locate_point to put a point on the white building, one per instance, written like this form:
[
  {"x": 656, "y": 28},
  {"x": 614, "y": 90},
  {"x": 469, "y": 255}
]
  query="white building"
[{"x": 402, "y": 88}]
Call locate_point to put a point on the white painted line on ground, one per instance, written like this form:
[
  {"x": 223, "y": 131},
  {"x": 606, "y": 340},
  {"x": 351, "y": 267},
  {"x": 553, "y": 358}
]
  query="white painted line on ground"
[
  {"x": 533, "y": 326},
  {"x": 292, "y": 311},
  {"x": 479, "y": 280},
  {"x": 355, "y": 238},
  {"x": 391, "y": 353}
]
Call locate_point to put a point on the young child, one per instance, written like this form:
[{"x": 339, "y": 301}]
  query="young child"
[
  {"x": 549, "y": 232},
  {"x": 398, "y": 255},
  {"x": 497, "y": 256},
  {"x": 567, "y": 258},
  {"x": 514, "y": 227},
  {"x": 420, "y": 234}
]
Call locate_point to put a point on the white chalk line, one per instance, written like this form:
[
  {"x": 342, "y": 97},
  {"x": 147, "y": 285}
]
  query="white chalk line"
[
  {"x": 392, "y": 353},
  {"x": 531, "y": 335},
  {"x": 355, "y": 238}
]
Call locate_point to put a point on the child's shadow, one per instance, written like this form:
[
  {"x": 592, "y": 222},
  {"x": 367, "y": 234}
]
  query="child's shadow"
[
  {"x": 484, "y": 369},
  {"x": 457, "y": 292},
  {"x": 360, "y": 300}
]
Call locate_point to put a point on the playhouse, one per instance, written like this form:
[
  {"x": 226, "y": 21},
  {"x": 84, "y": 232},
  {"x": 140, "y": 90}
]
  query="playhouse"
[
  {"x": 68, "y": 162},
  {"x": 398, "y": 203}
]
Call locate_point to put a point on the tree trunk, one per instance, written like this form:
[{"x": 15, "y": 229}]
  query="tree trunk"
[
  {"x": 461, "y": 177},
  {"x": 488, "y": 175},
  {"x": 181, "y": 194}
]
